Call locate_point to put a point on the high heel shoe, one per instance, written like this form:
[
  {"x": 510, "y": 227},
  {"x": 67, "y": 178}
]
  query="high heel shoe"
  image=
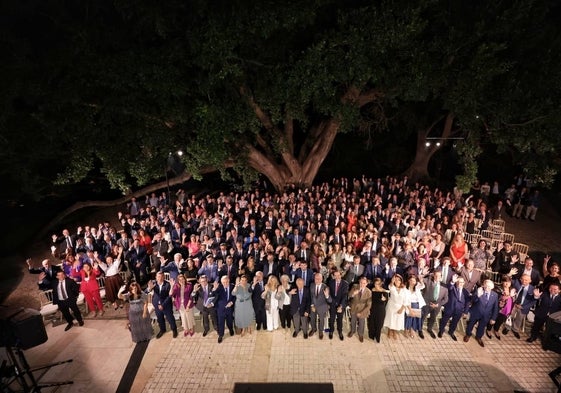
[
  {"x": 497, "y": 335},
  {"x": 488, "y": 334}
]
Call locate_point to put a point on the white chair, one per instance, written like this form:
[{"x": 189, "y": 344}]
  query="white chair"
[
  {"x": 101, "y": 283},
  {"x": 47, "y": 306}
]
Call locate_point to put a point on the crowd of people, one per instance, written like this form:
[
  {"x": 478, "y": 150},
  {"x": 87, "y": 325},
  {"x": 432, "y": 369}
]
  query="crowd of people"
[{"x": 377, "y": 253}]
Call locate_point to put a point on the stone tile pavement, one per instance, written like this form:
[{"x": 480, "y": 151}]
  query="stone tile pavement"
[
  {"x": 101, "y": 350},
  {"x": 405, "y": 365}
]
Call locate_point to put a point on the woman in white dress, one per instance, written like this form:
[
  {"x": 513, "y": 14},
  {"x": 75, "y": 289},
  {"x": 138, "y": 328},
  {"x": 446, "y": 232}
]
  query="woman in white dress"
[
  {"x": 272, "y": 297},
  {"x": 395, "y": 309}
]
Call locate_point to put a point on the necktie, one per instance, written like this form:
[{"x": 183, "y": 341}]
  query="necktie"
[
  {"x": 227, "y": 294},
  {"x": 63, "y": 291},
  {"x": 300, "y": 295},
  {"x": 459, "y": 294},
  {"x": 360, "y": 293},
  {"x": 444, "y": 275},
  {"x": 304, "y": 277},
  {"x": 317, "y": 291},
  {"x": 205, "y": 294},
  {"x": 436, "y": 291},
  {"x": 487, "y": 296},
  {"x": 336, "y": 287}
]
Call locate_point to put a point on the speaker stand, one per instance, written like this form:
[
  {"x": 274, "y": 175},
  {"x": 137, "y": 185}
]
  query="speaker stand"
[{"x": 23, "y": 374}]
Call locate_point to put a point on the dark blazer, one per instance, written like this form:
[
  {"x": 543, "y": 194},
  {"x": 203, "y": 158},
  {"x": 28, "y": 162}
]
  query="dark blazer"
[
  {"x": 309, "y": 276},
  {"x": 297, "y": 307},
  {"x": 274, "y": 271},
  {"x": 455, "y": 306},
  {"x": 339, "y": 297},
  {"x": 222, "y": 298},
  {"x": 256, "y": 291},
  {"x": 529, "y": 300},
  {"x": 535, "y": 276},
  {"x": 162, "y": 297},
  {"x": 483, "y": 309},
  {"x": 546, "y": 306},
  {"x": 224, "y": 272},
  {"x": 429, "y": 293},
  {"x": 50, "y": 276},
  {"x": 199, "y": 296},
  {"x": 72, "y": 290},
  {"x": 137, "y": 256},
  {"x": 375, "y": 271}
]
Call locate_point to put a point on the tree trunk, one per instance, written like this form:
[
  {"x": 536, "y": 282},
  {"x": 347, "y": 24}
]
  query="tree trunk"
[
  {"x": 291, "y": 171},
  {"x": 419, "y": 169}
]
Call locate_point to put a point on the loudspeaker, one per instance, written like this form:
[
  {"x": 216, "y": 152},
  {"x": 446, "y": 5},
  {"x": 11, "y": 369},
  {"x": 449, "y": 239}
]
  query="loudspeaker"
[
  {"x": 552, "y": 336},
  {"x": 23, "y": 328}
]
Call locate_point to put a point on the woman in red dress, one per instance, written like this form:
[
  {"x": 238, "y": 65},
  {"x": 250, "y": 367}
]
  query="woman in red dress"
[
  {"x": 90, "y": 288},
  {"x": 458, "y": 251}
]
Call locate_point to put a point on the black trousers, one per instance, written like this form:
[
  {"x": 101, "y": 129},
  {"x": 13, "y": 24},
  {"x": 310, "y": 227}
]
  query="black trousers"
[
  {"x": 70, "y": 304},
  {"x": 285, "y": 317}
]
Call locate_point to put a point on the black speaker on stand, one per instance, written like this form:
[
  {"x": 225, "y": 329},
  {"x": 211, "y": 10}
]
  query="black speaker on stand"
[{"x": 22, "y": 329}]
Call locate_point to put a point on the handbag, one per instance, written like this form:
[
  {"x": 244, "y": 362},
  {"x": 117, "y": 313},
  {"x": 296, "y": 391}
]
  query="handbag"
[
  {"x": 415, "y": 313},
  {"x": 508, "y": 321}
]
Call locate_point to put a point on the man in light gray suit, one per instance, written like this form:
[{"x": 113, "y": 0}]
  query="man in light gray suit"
[{"x": 321, "y": 299}]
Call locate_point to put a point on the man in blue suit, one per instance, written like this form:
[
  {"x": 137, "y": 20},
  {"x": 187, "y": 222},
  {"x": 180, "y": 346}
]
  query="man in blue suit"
[
  {"x": 163, "y": 305},
  {"x": 522, "y": 304},
  {"x": 300, "y": 304},
  {"x": 549, "y": 303},
  {"x": 339, "y": 290},
  {"x": 224, "y": 302},
  {"x": 455, "y": 308},
  {"x": 484, "y": 309}
]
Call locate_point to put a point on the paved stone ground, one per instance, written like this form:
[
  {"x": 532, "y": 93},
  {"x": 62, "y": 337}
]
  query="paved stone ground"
[{"x": 406, "y": 365}]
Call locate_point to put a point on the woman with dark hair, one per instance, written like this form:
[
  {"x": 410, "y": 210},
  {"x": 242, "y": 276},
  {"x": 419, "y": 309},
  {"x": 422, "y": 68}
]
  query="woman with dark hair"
[
  {"x": 377, "y": 310},
  {"x": 90, "y": 288},
  {"x": 507, "y": 296},
  {"x": 137, "y": 311},
  {"x": 415, "y": 302},
  {"x": 550, "y": 273}
]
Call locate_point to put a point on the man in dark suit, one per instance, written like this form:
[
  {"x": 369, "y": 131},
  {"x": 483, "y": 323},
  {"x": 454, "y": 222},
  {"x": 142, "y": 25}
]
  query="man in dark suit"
[
  {"x": 64, "y": 242},
  {"x": 228, "y": 269},
  {"x": 65, "y": 294},
  {"x": 47, "y": 273},
  {"x": 436, "y": 296},
  {"x": 303, "y": 272},
  {"x": 300, "y": 307},
  {"x": 523, "y": 302},
  {"x": 201, "y": 295},
  {"x": 339, "y": 290},
  {"x": 163, "y": 305},
  {"x": 391, "y": 270},
  {"x": 224, "y": 302},
  {"x": 257, "y": 289},
  {"x": 447, "y": 271},
  {"x": 270, "y": 266},
  {"x": 456, "y": 307},
  {"x": 320, "y": 301},
  {"x": 375, "y": 270},
  {"x": 548, "y": 303},
  {"x": 528, "y": 268},
  {"x": 138, "y": 262},
  {"x": 484, "y": 310}
]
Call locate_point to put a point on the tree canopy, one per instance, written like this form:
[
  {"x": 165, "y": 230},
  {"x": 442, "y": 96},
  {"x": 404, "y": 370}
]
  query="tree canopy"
[{"x": 264, "y": 87}]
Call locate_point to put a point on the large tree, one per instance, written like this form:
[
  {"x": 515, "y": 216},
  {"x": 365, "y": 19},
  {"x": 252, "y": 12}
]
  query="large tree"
[{"x": 261, "y": 87}]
